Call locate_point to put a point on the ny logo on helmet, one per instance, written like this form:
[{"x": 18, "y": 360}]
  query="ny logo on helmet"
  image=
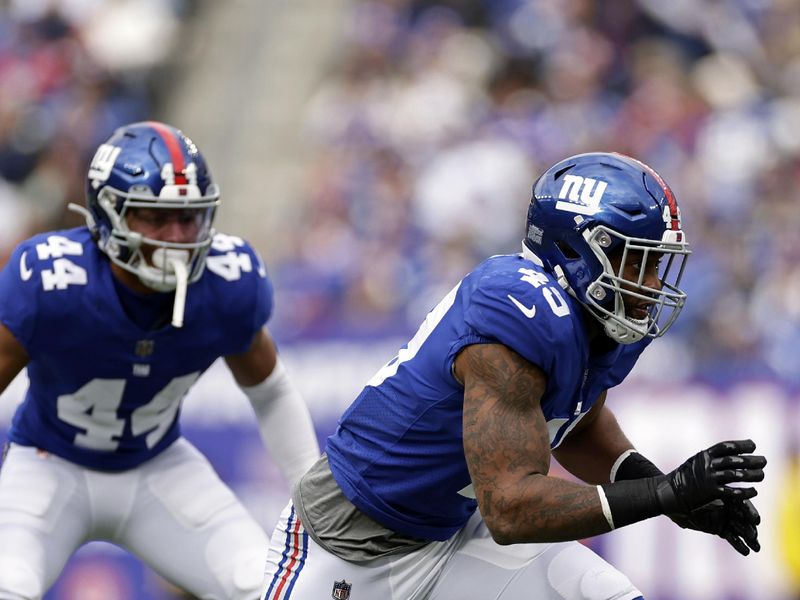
[
  {"x": 102, "y": 163},
  {"x": 341, "y": 590},
  {"x": 581, "y": 194}
]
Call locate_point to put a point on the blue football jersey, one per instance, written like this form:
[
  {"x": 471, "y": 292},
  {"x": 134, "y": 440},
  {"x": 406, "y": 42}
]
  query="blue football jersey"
[
  {"x": 398, "y": 451},
  {"x": 104, "y": 392}
]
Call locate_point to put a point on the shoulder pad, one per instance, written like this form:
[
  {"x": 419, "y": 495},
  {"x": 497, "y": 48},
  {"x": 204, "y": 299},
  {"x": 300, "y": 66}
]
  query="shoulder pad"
[
  {"x": 522, "y": 307},
  {"x": 37, "y": 272},
  {"x": 237, "y": 280},
  {"x": 54, "y": 259},
  {"x": 232, "y": 258}
]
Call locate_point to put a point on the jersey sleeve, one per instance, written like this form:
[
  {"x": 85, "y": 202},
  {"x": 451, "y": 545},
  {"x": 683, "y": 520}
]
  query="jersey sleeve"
[
  {"x": 243, "y": 290},
  {"x": 20, "y": 288},
  {"x": 265, "y": 296},
  {"x": 517, "y": 314}
]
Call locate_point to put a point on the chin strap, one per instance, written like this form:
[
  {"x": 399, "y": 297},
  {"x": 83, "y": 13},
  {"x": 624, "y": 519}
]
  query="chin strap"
[
  {"x": 166, "y": 260},
  {"x": 561, "y": 278},
  {"x": 84, "y": 212}
]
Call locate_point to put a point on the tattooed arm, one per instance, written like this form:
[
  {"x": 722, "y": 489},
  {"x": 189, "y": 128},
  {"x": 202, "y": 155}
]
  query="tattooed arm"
[
  {"x": 590, "y": 450},
  {"x": 507, "y": 448}
]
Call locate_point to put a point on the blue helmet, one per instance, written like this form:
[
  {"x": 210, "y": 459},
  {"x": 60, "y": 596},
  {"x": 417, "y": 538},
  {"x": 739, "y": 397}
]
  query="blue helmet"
[
  {"x": 151, "y": 165},
  {"x": 588, "y": 207}
]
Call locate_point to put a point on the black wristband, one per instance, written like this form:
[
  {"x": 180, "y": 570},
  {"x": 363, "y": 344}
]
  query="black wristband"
[
  {"x": 636, "y": 466},
  {"x": 633, "y": 501}
]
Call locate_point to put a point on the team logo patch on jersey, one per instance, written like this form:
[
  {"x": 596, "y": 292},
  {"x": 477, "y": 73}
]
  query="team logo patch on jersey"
[
  {"x": 145, "y": 348},
  {"x": 341, "y": 590}
]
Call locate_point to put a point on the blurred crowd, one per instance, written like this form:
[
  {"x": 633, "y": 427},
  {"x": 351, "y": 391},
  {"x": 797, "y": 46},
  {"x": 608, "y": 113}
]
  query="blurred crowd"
[
  {"x": 70, "y": 72},
  {"x": 429, "y": 129},
  {"x": 438, "y": 116}
]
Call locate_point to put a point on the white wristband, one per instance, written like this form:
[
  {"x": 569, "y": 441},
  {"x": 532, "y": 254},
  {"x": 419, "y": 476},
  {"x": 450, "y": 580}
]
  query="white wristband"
[
  {"x": 617, "y": 463},
  {"x": 606, "y": 508}
]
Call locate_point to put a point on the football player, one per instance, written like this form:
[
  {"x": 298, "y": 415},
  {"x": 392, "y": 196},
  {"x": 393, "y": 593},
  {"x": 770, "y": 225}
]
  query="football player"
[
  {"x": 435, "y": 483},
  {"x": 115, "y": 321}
]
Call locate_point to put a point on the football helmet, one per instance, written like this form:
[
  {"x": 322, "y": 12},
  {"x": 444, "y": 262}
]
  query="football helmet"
[
  {"x": 150, "y": 165},
  {"x": 590, "y": 210},
  {"x": 155, "y": 166}
]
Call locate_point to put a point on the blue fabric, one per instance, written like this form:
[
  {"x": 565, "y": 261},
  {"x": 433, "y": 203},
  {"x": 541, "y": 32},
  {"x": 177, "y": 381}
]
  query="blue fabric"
[
  {"x": 398, "y": 450},
  {"x": 105, "y": 392}
]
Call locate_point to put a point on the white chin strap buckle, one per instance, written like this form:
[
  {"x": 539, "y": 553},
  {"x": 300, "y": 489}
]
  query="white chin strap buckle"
[{"x": 174, "y": 262}]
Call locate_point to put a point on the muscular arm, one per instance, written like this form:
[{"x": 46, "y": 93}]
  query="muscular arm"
[
  {"x": 13, "y": 357},
  {"x": 256, "y": 363},
  {"x": 591, "y": 449},
  {"x": 507, "y": 448}
]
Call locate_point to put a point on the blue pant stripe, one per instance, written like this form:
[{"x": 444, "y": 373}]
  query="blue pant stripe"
[
  {"x": 302, "y": 560},
  {"x": 286, "y": 549}
]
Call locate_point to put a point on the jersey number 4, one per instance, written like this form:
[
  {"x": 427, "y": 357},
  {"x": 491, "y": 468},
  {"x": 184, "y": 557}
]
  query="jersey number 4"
[
  {"x": 93, "y": 408},
  {"x": 64, "y": 272},
  {"x": 232, "y": 264}
]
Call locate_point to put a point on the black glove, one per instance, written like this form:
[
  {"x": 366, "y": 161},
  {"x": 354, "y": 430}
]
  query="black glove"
[
  {"x": 731, "y": 519},
  {"x": 703, "y": 478}
]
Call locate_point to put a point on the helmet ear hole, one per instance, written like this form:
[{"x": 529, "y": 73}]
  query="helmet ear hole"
[{"x": 567, "y": 250}]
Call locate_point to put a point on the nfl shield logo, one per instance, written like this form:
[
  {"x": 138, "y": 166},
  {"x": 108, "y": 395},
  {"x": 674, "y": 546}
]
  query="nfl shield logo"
[{"x": 341, "y": 590}]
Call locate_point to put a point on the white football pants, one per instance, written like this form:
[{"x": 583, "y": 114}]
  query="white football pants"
[
  {"x": 173, "y": 512},
  {"x": 468, "y": 566}
]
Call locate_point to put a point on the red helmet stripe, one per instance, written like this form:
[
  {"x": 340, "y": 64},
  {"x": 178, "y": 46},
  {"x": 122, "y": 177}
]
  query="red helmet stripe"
[
  {"x": 673, "y": 204},
  {"x": 174, "y": 148}
]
